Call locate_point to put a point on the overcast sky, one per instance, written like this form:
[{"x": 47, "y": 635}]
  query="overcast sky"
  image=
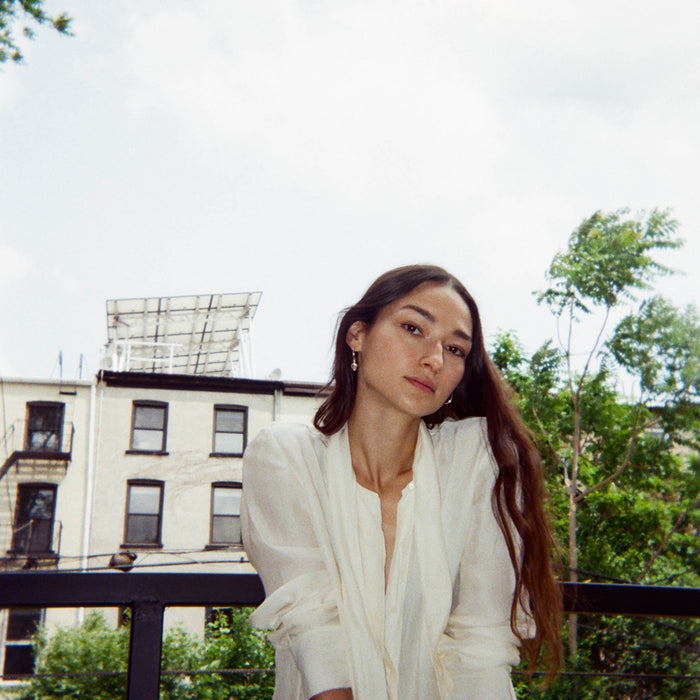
[{"x": 302, "y": 148}]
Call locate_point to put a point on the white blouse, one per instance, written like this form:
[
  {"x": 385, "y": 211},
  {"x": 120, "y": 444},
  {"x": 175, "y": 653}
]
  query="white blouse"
[
  {"x": 385, "y": 607},
  {"x": 441, "y": 630}
]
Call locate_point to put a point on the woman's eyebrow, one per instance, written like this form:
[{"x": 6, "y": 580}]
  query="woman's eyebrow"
[
  {"x": 421, "y": 311},
  {"x": 427, "y": 315}
]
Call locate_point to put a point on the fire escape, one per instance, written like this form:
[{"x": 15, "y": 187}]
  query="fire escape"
[{"x": 37, "y": 453}]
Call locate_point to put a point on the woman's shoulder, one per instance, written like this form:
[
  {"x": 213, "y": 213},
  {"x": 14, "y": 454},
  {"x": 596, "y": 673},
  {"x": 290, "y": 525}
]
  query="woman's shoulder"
[
  {"x": 463, "y": 446},
  {"x": 287, "y": 435},
  {"x": 460, "y": 432},
  {"x": 281, "y": 449}
]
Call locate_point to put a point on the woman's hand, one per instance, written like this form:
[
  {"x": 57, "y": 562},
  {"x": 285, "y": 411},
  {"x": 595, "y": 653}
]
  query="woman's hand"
[{"x": 335, "y": 694}]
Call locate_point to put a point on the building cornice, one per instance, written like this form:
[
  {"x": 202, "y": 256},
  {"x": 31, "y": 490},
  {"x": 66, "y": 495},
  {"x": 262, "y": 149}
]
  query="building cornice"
[{"x": 192, "y": 382}]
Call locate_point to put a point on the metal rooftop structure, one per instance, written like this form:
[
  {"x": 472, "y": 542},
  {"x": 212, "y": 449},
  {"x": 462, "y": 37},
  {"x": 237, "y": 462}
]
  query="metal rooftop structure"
[{"x": 207, "y": 334}]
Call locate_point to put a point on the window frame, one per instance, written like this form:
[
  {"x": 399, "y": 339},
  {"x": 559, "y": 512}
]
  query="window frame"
[
  {"x": 139, "y": 403},
  {"x": 29, "y": 549},
  {"x": 126, "y": 544},
  {"x": 18, "y": 642},
  {"x": 233, "y": 485},
  {"x": 60, "y": 418},
  {"x": 232, "y": 408}
]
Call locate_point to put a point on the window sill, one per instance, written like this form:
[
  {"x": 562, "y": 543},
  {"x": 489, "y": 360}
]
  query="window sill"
[
  {"x": 159, "y": 453},
  {"x": 43, "y": 554},
  {"x": 140, "y": 545},
  {"x": 214, "y": 547},
  {"x": 225, "y": 454}
]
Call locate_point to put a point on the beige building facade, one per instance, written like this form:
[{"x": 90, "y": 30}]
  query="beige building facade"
[
  {"x": 168, "y": 483},
  {"x": 44, "y": 452},
  {"x": 149, "y": 481}
]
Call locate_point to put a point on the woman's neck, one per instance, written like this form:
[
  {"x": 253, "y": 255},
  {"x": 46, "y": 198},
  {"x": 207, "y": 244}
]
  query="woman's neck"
[{"x": 381, "y": 449}]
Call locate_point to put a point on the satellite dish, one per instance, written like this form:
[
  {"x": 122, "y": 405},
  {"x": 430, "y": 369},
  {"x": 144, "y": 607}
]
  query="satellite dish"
[{"x": 275, "y": 375}]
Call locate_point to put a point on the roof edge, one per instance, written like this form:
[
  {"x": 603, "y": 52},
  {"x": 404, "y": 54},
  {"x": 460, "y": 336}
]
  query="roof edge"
[{"x": 192, "y": 382}]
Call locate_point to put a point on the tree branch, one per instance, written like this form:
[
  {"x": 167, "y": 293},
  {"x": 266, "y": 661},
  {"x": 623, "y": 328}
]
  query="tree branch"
[
  {"x": 625, "y": 461},
  {"x": 555, "y": 454},
  {"x": 662, "y": 546},
  {"x": 593, "y": 349},
  {"x": 567, "y": 350}
]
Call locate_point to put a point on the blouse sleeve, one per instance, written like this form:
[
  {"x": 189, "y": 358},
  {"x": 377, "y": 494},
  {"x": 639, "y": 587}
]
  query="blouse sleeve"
[
  {"x": 479, "y": 647},
  {"x": 300, "y": 607}
]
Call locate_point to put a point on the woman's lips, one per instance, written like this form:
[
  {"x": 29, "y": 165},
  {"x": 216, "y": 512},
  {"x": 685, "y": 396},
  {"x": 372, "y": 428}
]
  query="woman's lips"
[{"x": 423, "y": 384}]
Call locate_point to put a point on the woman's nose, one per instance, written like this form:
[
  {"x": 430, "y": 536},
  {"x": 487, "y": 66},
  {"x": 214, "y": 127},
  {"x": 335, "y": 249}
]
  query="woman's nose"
[{"x": 433, "y": 356}]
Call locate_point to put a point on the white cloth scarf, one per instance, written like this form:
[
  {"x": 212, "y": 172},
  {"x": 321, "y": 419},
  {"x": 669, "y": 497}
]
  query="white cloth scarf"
[{"x": 366, "y": 651}]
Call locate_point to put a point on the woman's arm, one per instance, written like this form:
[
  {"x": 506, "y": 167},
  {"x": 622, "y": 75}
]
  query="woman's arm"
[
  {"x": 479, "y": 647},
  {"x": 335, "y": 694},
  {"x": 278, "y": 514}
]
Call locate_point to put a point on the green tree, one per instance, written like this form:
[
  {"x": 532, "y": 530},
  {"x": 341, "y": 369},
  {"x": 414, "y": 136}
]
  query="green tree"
[
  {"x": 640, "y": 527},
  {"x": 30, "y": 11},
  {"x": 609, "y": 257},
  {"x": 622, "y": 470}
]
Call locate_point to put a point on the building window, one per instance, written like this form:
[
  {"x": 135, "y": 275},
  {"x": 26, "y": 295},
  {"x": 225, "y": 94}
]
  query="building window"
[
  {"x": 225, "y": 514},
  {"x": 44, "y": 426},
  {"x": 19, "y": 655},
  {"x": 144, "y": 513},
  {"x": 230, "y": 427},
  {"x": 34, "y": 518},
  {"x": 149, "y": 426}
]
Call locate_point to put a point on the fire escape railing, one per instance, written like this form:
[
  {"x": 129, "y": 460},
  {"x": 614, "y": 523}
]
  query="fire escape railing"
[
  {"x": 149, "y": 594},
  {"x": 15, "y": 447}
]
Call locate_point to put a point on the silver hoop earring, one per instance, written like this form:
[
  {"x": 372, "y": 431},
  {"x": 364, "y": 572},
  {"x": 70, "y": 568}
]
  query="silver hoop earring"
[
  {"x": 353, "y": 364},
  {"x": 449, "y": 401}
]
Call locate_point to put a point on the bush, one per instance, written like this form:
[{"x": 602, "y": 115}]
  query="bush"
[{"x": 91, "y": 662}]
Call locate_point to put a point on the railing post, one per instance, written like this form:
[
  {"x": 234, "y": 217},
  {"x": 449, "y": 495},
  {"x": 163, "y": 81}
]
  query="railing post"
[{"x": 143, "y": 679}]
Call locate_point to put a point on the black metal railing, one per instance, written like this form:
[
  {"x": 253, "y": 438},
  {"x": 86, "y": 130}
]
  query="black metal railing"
[
  {"x": 149, "y": 594},
  {"x": 38, "y": 542},
  {"x": 22, "y": 442}
]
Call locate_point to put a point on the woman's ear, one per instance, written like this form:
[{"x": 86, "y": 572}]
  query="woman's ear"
[{"x": 355, "y": 334}]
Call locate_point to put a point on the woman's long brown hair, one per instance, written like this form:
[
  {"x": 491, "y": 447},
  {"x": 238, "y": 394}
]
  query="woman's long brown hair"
[{"x": 519, "y": 493}]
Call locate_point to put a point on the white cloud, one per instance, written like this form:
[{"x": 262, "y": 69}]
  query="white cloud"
[
  {"x": 331, "y": 100},
  {"x": 183, "y": 147},
  {"x": 398, "y": 107}
]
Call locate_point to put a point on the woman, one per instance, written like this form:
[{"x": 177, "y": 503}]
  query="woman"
[{"x": 403, "y": 543}]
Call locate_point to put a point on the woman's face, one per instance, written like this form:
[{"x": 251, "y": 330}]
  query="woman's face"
[{"x": 412, "y": 357}]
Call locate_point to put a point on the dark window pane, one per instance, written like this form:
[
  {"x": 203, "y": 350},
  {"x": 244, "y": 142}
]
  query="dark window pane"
[
  {"x": 152, "y": 417},
  {"x": 33, "y": 525},
  {"x": 142, "y": 529},
  {"x": 19, "y": 660},
  {"x": 45, "y": 417},
  {"x": 44, "y": 424},
  {"x": 229, "y": 421},
  {"x": 225, "y": 529},
  {"x": 22, "y": 623},
  {"x": 39, "y": 536},
  {"x": 36, "y": 503}
]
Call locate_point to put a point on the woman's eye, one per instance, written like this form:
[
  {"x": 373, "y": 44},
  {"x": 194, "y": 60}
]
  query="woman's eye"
[
  {"x": 414, "y": 330},
  {"x": 458, "y": 352}
]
